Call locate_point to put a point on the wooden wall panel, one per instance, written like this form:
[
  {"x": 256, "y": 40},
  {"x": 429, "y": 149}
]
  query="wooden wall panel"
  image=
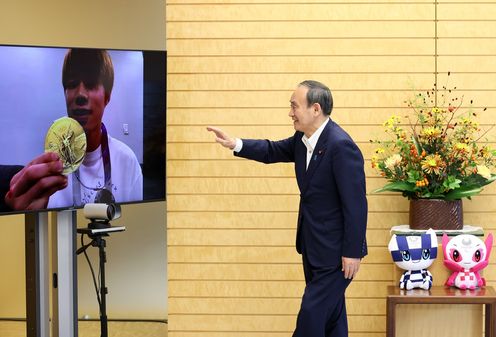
[
  {"x": 466, "y": 11},
  {"x": 300, "y": 46},
  {"x": 286, "y": 82},
  {"x": 300, "y": 12},
  {"x": 299, "y": 29},
  {"x": 451, "y": 45},
  {"x": 460, "y": 29},
  {"x": 250, "y": 219},
  {"x": 299, "y": 64},
  {"x": 232, "y": 63}
]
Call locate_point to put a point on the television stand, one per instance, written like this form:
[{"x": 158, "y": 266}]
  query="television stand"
[
  {"x": 97, "y": 231},
  {"x": 63, "y": 278}
]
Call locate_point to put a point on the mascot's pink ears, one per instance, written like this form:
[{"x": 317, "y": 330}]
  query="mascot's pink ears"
[
  {"x": 445, "y": 241},
  {"x": 489, "y": 244}
]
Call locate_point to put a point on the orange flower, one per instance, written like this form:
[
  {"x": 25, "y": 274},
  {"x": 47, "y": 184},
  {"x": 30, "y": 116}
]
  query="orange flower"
[{"x": 432, "y": 164}]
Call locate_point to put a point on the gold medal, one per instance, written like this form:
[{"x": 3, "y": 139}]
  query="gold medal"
[{"x": 66, "y": 138}]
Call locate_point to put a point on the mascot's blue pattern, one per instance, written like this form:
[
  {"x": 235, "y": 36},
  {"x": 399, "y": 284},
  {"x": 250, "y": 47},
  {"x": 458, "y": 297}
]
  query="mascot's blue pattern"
[
  {"x": 414, "y": 254},
  {"x": 416, "y": 279}
]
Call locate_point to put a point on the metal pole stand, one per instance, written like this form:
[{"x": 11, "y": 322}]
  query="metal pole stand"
[{"x": 97, "y": 231}]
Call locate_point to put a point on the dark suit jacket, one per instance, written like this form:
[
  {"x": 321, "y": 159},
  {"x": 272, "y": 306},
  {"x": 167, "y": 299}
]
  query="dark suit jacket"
[{"x": 332, "y": 217}]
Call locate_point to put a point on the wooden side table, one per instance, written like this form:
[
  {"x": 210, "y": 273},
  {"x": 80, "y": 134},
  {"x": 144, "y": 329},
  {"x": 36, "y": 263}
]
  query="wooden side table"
[{"x": 441, "y": 295}]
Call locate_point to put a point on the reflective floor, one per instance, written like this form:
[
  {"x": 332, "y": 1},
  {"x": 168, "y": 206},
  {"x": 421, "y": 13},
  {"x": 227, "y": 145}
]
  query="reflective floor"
[{"x": 92, "y": 329}]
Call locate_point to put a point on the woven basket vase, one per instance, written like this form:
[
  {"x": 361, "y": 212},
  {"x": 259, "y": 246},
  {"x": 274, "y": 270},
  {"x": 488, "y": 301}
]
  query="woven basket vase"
[{"x": 436, "y": 214}]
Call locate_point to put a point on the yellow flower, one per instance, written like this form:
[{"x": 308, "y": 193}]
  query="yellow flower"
[
  {"x": 486, "y": 152},
  {"x": 467, "y": 121},
  {"x": 431, "y": 132},
  {"x": 379, "y": 150},
  {"x": 432, "y": 163},
  {"x": 483, "y": 171},
  {"x": 392, "y": 161},
  {"x": 462, "y": 147},
  {"x": 393, "y": 120},
  {"x": 374, "y": 161},
  {"x": 436, "y": 110}
]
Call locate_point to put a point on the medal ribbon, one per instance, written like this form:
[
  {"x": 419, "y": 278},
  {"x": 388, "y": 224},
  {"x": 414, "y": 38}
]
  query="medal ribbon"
[
  {"x": 76, "y": 190},
  {"x": 106, "y": 158}
]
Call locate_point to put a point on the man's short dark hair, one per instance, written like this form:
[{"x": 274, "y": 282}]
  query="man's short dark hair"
[
  {"x": 91, "y": 66},
  {"x": 318, "y": 93}
]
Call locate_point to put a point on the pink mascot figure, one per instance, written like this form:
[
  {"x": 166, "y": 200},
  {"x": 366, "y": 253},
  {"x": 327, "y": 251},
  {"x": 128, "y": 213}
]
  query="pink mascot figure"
[{"x": 466, "y": 255}]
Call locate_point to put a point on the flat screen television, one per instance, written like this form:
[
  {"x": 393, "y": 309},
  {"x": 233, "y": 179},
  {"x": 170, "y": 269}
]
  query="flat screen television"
[{"x": 124, "y": 89}]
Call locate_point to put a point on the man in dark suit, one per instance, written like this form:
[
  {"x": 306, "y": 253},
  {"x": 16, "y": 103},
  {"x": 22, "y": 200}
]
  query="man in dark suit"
[{"x": 332, "y": 216}]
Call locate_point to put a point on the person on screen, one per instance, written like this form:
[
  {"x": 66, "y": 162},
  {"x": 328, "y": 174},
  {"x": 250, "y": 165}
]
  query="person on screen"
[
  {"x": 29, "y": 187},
  {"x": 332, "y": 217},
  {"x": 109, "y": 164}
]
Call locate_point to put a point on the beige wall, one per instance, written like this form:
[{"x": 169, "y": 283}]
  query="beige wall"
[
  {"x": 114, "y": 24},
  {"x": 233, "y": 270},
  {"x": 136, "y": 258}
]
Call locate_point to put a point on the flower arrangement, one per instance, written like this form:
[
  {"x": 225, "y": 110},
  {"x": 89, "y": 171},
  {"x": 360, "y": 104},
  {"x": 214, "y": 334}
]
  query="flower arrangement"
[{"x": 436, "y": 154}]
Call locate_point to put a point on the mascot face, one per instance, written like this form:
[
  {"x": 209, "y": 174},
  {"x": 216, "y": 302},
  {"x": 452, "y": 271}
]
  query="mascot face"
[
  {"x": 414, "y": 252},
  {"x": 467, "y": 251}
]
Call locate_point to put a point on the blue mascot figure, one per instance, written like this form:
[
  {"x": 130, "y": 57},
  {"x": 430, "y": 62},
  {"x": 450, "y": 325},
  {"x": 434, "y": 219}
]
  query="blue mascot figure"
[{"x": 414, "y": 254}]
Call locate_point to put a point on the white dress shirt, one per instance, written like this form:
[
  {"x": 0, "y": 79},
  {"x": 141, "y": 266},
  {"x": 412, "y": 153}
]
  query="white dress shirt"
[{"x": 311, "y": 142}]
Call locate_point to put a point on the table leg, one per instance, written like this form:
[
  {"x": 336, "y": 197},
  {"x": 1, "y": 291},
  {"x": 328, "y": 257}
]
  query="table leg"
[
  {"x": 390, "y": 318},
  {"x": 490, "y": 325}
]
